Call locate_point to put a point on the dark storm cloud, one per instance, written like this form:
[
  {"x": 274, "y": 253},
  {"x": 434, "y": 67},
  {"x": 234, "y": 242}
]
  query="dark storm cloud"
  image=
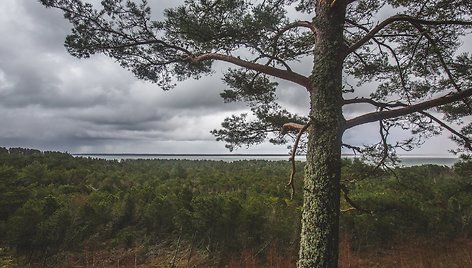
[
  {"x": 52, "y": 101},
  {"x": 48, "y": 98}
]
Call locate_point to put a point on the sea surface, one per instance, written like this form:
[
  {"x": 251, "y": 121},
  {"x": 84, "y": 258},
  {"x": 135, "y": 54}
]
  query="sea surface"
[{"x": 406, "y": 160}]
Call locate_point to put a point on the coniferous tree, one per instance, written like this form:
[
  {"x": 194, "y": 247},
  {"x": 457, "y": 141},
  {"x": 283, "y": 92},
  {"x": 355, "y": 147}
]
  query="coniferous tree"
[{"x": 406, "y": 54}]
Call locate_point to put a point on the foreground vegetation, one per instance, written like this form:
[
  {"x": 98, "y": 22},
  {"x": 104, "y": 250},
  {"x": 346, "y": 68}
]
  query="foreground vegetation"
[{"x": 56, "y": 209}]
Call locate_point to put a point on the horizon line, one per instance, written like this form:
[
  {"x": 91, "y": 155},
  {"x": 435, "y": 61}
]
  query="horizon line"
[{"x": 242, "y": 154}]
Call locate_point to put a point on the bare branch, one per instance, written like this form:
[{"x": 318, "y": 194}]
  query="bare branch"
[
  {"x": 383, "y": 131},
  {"x": 467, "y": 141},
  {"x": 415, "y": 49},
  {"x": 372, "y": 33},
  {"x": 396, "y": 18},
  {"x": 294, "y": 152},
  {"x": 283, "y": 74},
  {"x": 350, "y": 202},
  {"x": 376, "y": 116},
  {"x": 348, "y": 209},
  {"x": 375, "y": 103},
  {"x": 355, "y": 149},
  {"x": 291, "y": 126}
]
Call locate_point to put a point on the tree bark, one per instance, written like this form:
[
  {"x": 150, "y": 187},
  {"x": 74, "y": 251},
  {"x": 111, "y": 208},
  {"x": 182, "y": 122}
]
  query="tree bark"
[{"x": 320, "y": 217}]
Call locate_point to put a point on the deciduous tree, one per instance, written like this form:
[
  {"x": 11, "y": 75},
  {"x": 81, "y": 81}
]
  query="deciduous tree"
[{"x": 407, "y": 54}]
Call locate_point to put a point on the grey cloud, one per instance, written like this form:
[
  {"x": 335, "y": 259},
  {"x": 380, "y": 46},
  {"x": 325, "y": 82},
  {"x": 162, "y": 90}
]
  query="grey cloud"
[
  {"x": 130, "y": 119},
  {"x": 49, "y": 99},
  {"x": 52, "y": 101}
]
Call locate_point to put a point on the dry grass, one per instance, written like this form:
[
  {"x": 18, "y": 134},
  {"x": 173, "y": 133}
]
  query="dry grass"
[{"x": 454, "y": 254}]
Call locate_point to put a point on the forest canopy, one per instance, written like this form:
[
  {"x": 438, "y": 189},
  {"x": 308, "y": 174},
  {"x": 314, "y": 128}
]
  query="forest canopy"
[{"x": 54, "y": 205}]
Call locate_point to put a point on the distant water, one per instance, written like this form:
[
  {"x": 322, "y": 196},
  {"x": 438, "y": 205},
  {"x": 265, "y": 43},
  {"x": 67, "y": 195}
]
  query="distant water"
[
  {"x": 416, "y": 160},
  {"x": 405, "y": 160}
]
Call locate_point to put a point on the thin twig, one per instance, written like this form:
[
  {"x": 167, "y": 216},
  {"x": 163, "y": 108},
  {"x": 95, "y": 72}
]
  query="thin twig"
[
  {"x": 441, "y": 59},
  {"x": 383, "y": 135}
]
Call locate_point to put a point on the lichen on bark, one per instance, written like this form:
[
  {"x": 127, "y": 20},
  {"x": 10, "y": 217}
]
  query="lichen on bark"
[{"x": 320, "y": 217}]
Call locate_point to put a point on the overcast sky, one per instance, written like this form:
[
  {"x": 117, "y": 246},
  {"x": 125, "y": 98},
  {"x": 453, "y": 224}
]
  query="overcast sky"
[{"x": 50, "y": 100}]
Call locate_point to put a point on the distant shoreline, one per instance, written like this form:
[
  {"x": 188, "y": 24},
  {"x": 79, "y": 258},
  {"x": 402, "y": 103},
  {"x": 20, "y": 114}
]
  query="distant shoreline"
[
  {"x": 124, "y": 154},
  {"x": 405, "y": 160},
  {"x": 243, "y": 155}
]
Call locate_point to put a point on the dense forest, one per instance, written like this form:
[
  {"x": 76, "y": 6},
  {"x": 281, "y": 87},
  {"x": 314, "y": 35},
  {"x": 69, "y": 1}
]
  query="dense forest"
[{"x": 61, "y": 210}]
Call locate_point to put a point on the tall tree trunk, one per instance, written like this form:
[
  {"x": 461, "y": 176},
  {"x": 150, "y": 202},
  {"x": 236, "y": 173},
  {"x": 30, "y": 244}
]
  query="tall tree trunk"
[{"x": 320, "y": 218}]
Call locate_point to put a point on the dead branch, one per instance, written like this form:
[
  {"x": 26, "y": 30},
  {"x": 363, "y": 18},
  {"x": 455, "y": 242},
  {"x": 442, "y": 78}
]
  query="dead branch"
[
  {"x": 291, "y": 126},
  {"x": 275, "y": 39},
  {"x": 350, "y": 202},
  {"x": 301, "y": 130},
  {"x": 272, "y": 58},
  {"x": 348, "y": 209},
  {"x": 392, "y": 51}
]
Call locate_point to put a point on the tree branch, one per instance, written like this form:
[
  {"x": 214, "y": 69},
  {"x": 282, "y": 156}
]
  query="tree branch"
[
  {"x": 441, "y": 60},
  {"x": 296, "y": 24},
  {"x": 355, "y": 149},
  {"x": 376, "y": 116},
  {"x": 396, "y": 18},
  {"x": 392, "y": 51},
  {"x": 383, "y": 131},
  {"x": 272, "y": 58},
  {"x": 283, "y": 74},
  {"x": 350, "y": 202},
  {"x": 291, "y": 126},
  {"x": 275, "y": 39},
  {"x": 301, "y": 130},
  {"x": 467, "y": 141},
  {"x": 143, "y": 42}
]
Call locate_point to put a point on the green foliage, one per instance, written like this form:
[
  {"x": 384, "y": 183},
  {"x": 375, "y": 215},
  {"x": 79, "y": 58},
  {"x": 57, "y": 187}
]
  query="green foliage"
[
  {"x": 430, "y": 202},
  {"x": 218, "y": 207}
]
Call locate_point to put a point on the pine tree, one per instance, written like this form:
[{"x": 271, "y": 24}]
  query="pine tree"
[{"x": 407, "y": 54}]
